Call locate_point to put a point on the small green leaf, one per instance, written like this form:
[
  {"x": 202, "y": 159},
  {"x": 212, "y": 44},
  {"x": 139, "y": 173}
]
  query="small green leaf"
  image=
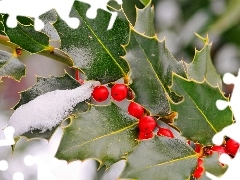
[
  {"x": 10, "y": 66},
  {"x": 145, "y": 16},
  {"x": 151, "y": 67},
  {"x": 211, "y": 164},
  {"x": 202, "y": 68},
  {"x": 94, "y": 49},
  {"x": 104, "y": 133},
  {"x": 43, "y": 86},
  {"x": 26, "y": 37},
  {"x": 198, "y": 117},
  {"x": 160, "y": 158}
]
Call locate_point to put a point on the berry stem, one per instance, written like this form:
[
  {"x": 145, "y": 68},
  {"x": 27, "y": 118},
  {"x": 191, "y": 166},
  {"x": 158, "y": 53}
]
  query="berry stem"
[{"x": 77, "y": 77}]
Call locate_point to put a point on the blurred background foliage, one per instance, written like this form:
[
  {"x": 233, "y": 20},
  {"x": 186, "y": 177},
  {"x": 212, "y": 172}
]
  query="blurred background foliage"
[{"x": 176, "y": 21}]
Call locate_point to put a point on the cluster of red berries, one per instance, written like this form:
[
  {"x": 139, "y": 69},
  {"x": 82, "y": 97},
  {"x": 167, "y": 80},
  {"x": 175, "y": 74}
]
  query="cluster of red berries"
[
  {"x": 230, "y": 147},
  {"x": 199, "y": 170},
  {"x": 146, "y": 124},
  {"x": 118, "y": 92}
]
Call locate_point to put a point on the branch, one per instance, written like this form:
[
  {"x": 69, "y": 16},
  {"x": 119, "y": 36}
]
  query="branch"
[{"x": 50, "y": 52}]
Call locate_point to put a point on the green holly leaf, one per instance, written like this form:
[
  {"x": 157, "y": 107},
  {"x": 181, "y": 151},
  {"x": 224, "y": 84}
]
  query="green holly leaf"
[
  {"x": 11, "y": 67},
  {"x": 212, "y": 165},
  {"x": 151, "y": 67},
  {"x": 25, "y": 36},
  {"x": 198, "y": 117},
  {"x": 145, "y": 15},
  {"x": 94, "y": 49},
  {"x": 202, "y": 67},
  {"x": 104, "y": 133},
  {"x": 160, "y": 158},
  {"x": 43, "y": 86}
]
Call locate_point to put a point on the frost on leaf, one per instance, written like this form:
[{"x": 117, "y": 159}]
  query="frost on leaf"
[{"x": 93, "y": 49}]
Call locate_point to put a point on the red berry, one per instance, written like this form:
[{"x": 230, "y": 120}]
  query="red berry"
[
  {"x": 199, "y": 162},
  {"x": 219, "y": 149},
  {"x": 198, "y": 172},
  {"x": 142, "y": 135},
  {"x": 165, "y": 132},
  {"x": 100, "y": 93},
  {"x": 119, "y": 92},
  {"x": 147, "y": 124},
  {"x": 198, "y": 147},
  {"x": 135, "y": 110},
  {"x": 232, "y": 146}
]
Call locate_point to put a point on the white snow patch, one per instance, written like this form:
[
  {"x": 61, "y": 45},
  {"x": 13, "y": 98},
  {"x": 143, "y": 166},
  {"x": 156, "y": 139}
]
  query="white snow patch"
[{"x": 48, "y": 110}]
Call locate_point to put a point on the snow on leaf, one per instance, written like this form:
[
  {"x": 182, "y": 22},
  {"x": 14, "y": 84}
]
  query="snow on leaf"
[
  {"x": 48, "y": 110},
  {"x": 45, "y": 85}
]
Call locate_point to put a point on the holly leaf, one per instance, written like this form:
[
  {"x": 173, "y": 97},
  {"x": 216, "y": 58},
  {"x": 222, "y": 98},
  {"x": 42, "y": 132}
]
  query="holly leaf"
[
  {"x": 202, "y": 67},
  {"x": 145, "y": 16},
  {"x": 42, "y": 86},
  {"x": 198, "y": 117},
  {"x": 212, "y": 165},
  {"x": 11, "y": 67},
  {"x": 94, "y": 49},
  {"x": 104, "y": 133},
  {"x": 151, "y": 67},
  {"x": 160, "y": 158},
  {"x": 25, "y": 36}
]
